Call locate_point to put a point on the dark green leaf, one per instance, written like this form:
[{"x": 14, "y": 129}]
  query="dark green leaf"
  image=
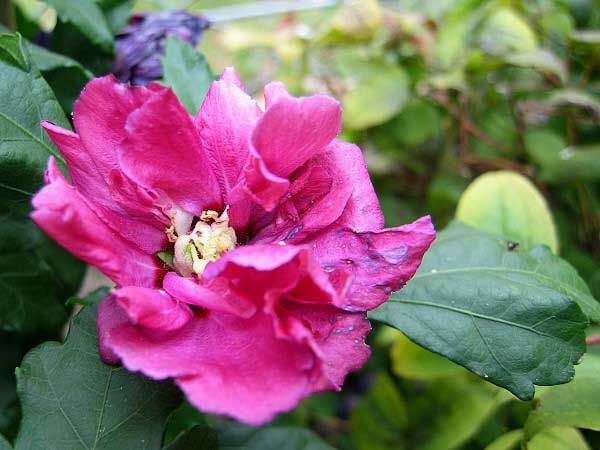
[
  {"x": 36, "y": 275},
  {"x": 198, "y": 438},
  {"x": 506, "y": 314},
  {"x": 235, "y": 436},
  {"x": 87, "y": 16},
  {"x": 187, "y": 72},
  {"x": 71, "y": 400}
]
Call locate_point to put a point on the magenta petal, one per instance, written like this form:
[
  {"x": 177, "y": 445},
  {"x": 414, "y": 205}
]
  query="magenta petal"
[
  {"x": 99, "y": 116},
  {"x": 318, "y": 195},
  {"x": 218, "y": 298},
  {"x": 362, "y": 211},
  {"x": 65, "y": 215},
  {"x": 293, "y": 130},
  {"x": 110, "y": 316},
  {"x": 144, "y": 230},
  {"x": 162, "y": 151},
  {"x": 224, "y": 364},
  {"x": 225, "y": 122},
  {"x": 152, "y": 308},
  {"x": 339, "y": 337},
  {"x": 267, "y": 273},
  {"x": 372, "y": 264},
  {"x": 231, "y": 76},
  {"x": 264, "y": 187}
]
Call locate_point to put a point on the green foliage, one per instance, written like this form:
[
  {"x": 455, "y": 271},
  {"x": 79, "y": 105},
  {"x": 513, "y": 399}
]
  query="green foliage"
[
  {"x": 96, "y": 405},
  {"x": 437, "y": 93},
  {"x": 574, "y": 404},
  {"x": 37, "y": 275},
  {"x": 508, "y": 204},
  {"x": 87, "y": 17},
  {"x": 186, "y": 71},
  {"x": 377, "y": 421},
  {"x": 504, "y": 313}
]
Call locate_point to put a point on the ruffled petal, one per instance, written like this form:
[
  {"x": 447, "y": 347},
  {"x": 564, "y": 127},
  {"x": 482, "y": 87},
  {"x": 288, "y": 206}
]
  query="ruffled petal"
[
  {"x": 372, "y": 265},
  {"x": 216, "y": 297},
  {"x": 64, "y": 214},
  {"x": 112, "y": 201},
  {"x": 318, "y": 195},
  {"x": 224, "y": 364},
  {"x": 267, "y": 273},
  {"x": 152, "y": 308},
  {"x": 225, "y": 122},
  {"x": 162, "y": 152},
  {"x": 293, "y": 130},
  {"x": 99, "y": 116},
  {"x": 289, "y": 133},
  {"x": 337, "y": 336}
]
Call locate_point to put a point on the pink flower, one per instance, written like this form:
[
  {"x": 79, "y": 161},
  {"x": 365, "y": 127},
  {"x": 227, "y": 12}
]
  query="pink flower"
[{"x": 277, "y": 235}]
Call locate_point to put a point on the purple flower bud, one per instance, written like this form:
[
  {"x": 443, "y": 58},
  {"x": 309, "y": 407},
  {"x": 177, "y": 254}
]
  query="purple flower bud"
[{"x": 140, "y": 44}]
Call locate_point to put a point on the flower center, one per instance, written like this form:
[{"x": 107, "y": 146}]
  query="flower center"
[{"x": 209, "y": 239}]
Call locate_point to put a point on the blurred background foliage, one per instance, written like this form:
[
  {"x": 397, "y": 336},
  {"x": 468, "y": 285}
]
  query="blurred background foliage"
[{"x": 436, "y": 93}]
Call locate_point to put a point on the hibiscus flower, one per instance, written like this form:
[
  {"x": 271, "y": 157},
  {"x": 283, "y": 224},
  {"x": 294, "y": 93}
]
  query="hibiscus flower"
[{"x": 246, "y": 244}]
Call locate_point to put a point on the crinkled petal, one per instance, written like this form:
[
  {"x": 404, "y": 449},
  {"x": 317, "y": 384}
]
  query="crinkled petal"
[
  {"x": 266, "y": 273},
  {"x": 64, "y": 214},
  {"x": 337, "y": 336},
  {"x": 318, "y": 195},
  {"x": 293, "y": 130},
  {"x": 111, "y": 203},
  {"x": 371, "y": 265},
  {"x": 152, "y": 308},
  {"x": 100, "y": 114},
  {"x": 225, "y": 364},
  {"x": 217, "y": 297},
  {"x": 225, "y": 122},
  {"x": 262, "y": 185},
  {"x": 162, "y": 151},
  {"x": 289, "y": 133}
]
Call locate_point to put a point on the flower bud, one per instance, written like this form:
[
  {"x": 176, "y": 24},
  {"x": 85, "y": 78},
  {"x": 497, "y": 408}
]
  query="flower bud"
[{"x": 140, "y": 45}]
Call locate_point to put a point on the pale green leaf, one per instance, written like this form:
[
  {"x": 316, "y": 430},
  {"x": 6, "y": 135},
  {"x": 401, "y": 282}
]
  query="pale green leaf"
[{"x": 508, "y": 204}]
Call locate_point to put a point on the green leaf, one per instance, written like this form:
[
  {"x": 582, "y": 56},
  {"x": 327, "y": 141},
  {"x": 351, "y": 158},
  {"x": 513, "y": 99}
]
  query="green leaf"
[
  {"x": 413, "y": 362},
  {"x": 235, "y": 436},
  {"x": 506, "y": 314},
  {"x": 71, "y": 400},
  {"x": 466, "y": 405},
  {"x": 12, "y": 350},
  {"x": 558, "y": 161},
  {"x": 379, "y": 417},
  {"x": 558, "y": 438},
  {"x": 187, "y": 72},
  {"x": 87, "y": 17},
  {"x": 587, "y": 37},
  {"x": 356, "y": 21},
  {"x": 508, "y": 204},
  {"x": 575, "y": 404},
  {"x": 198, "y": 438},
  {"x": 36, "y": 275},
  {"x": 377, "y": 90},
  {"x": 508, "y": 441},
  {"x": 505, "y": 32},
  {"x": 540, "y": 60}
]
